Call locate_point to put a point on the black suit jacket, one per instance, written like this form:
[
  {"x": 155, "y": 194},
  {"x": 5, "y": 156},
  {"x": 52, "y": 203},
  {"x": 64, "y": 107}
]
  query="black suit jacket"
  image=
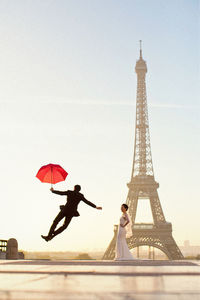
[{"x": 73, "y": 199}]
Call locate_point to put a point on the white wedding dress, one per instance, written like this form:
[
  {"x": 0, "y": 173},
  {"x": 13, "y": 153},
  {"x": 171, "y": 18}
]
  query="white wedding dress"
[{"x": 122, "y": 250}]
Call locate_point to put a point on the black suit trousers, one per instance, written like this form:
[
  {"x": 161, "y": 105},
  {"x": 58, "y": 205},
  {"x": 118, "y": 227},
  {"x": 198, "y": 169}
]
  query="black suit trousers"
[{"x": 57, "y": 219}]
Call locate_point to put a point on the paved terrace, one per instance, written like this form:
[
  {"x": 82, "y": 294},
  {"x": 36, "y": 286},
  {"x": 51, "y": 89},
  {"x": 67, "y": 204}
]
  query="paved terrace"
[{"x": 102, "y": 280}]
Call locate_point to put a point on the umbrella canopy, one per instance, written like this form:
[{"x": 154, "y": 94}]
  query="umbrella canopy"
[{"x": 51, "y": 173}]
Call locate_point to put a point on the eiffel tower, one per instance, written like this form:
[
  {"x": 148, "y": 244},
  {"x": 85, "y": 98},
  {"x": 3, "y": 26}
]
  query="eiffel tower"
[{"x": 143, "y": 185}]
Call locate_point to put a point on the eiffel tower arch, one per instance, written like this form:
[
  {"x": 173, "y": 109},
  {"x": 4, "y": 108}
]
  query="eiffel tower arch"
[{"x": 143, "y": 185}]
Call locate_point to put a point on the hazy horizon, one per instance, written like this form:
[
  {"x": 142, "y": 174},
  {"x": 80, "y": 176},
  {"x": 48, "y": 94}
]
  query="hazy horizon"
[{"x": 68, "y": 92}]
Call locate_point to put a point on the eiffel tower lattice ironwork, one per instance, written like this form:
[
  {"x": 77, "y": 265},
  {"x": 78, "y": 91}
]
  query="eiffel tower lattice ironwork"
[{"x": 143, "y": 185}]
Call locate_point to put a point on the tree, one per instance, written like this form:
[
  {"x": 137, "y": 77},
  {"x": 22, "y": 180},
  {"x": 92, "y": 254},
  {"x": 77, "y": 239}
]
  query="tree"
[{"x": 83, "y": 256}]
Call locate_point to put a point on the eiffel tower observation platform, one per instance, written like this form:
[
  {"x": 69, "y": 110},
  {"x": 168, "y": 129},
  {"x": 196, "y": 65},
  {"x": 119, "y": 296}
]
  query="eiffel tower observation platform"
[{"x": 99, "y": 280}]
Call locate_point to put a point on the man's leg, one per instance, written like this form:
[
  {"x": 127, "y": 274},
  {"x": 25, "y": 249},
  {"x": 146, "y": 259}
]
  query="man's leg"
[
  {"x": 58, "y": 218},
  {"x": 64, "y": 226}
]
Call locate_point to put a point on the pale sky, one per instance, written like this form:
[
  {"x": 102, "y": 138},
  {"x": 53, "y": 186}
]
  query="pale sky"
[{"x": 67, "y": 96}]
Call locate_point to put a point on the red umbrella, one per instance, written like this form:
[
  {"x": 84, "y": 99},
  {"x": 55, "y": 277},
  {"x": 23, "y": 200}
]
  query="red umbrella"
[{"x": 51, "y": 173}]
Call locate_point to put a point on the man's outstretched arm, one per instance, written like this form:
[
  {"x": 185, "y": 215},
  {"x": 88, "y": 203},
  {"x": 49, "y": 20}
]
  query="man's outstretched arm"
[
  {"x": 58, "y": 192},
  {"x": 91, "y": 204}
]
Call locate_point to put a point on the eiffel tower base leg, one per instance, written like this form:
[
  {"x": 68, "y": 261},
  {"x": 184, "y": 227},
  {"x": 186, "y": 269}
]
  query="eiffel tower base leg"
[{"x": 110, "y": 252}]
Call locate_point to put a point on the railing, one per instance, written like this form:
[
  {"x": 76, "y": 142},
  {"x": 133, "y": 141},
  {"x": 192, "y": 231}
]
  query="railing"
[
  {"x": 164, "y": 226},
  {"x": 3, "y": 245},
  {"x": 143, "y": 226}
]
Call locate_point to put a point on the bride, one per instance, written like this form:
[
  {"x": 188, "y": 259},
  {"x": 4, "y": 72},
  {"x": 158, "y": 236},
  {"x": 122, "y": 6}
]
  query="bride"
[{"x": 124, "y": 231}]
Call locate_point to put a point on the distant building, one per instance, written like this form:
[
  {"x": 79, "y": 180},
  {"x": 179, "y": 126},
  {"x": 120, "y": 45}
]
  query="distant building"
[
  {"x": 7, "y": 249},
  {"x": 189, "y": 250}
]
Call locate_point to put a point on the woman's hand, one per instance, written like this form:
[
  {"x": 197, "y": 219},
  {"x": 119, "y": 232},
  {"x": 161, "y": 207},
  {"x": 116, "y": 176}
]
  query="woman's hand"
[{"x": 124, "y": 224}]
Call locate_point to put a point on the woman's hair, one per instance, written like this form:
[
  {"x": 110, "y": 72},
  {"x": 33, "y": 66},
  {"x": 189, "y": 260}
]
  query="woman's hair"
[{"x": 125, "y": 206}]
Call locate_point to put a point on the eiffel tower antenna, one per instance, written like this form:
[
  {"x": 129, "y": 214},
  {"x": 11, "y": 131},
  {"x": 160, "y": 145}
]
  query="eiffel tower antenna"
[
  {"x": 143, "y": 185},
  {"x": 140, "y": 48}
]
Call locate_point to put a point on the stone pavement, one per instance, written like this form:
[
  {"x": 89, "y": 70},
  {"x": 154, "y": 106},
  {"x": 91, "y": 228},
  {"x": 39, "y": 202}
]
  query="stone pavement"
[{"x": 99, "y": 280}]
